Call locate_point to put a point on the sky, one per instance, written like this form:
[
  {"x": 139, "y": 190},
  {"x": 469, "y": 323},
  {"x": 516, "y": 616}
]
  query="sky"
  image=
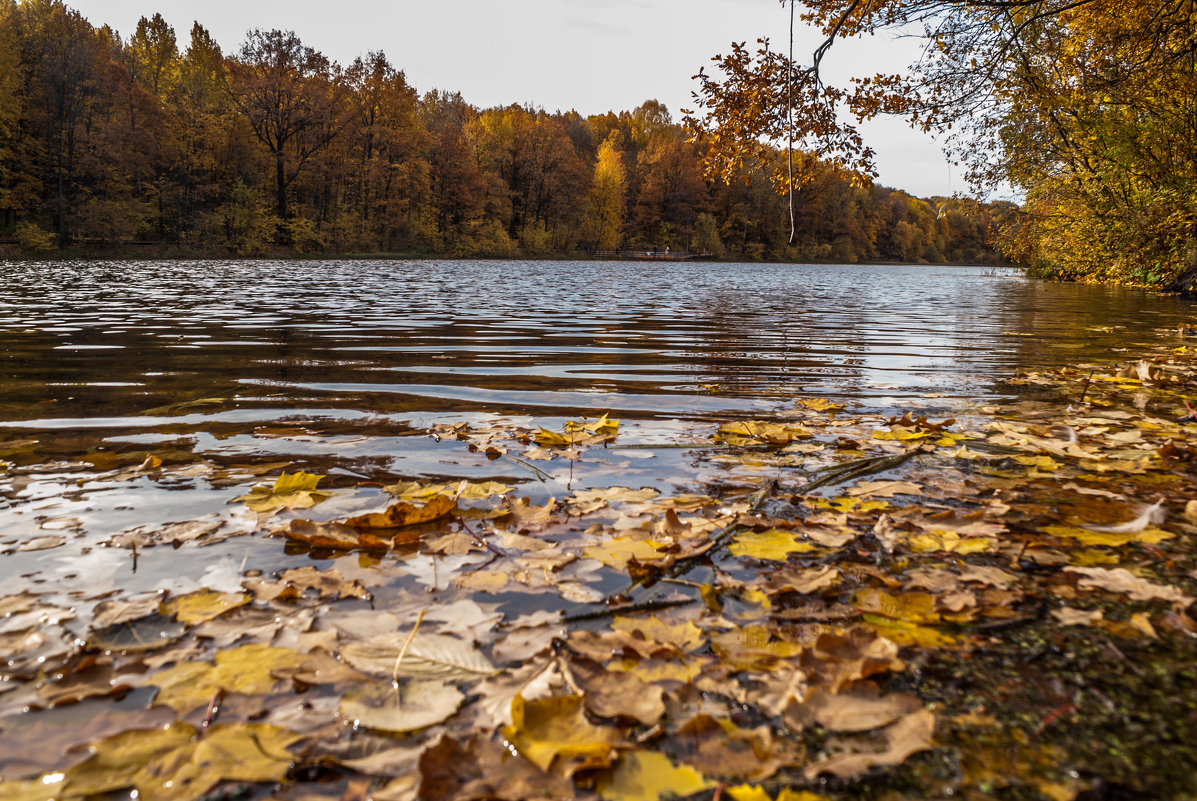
[{"x": 588, "y": 55}]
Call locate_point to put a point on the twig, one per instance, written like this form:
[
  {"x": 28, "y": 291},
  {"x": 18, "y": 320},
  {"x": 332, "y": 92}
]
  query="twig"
[
  {"x": 536, "y": 471},
  {"x": 852, "y": 470},
  {"x": 403, "y": 650},
  {"x": 630, "y": 609},
  {"x": 213, "y": 710},
  {"x": 479, "y": 541},
  {"x": 1085, "y": 389}
]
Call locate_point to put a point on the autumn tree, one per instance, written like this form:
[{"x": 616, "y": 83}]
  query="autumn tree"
[
  {"x": 1087, "y": 107},
  {"x": 608, "y": 196},
  {"x": 292, "y": 97},
  {"x": 154, "y": 55},
  {"x": 11, "y": 84}
]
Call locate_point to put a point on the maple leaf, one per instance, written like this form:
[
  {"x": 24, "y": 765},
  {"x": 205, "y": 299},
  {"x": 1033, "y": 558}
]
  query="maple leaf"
[{"x": 294, "y": 491}]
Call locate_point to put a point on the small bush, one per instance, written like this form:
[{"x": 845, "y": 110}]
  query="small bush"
[{"x": 34, "y": 239}]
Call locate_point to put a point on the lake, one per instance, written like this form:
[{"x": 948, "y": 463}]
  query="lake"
[{"x": 228, "y": 371}]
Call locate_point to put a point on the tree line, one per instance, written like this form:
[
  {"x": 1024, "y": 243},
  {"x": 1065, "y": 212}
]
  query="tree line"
[{"x": 275, "y": 148}]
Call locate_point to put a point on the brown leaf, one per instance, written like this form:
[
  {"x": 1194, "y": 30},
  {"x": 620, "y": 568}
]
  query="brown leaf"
[
  {"x": 483, "y": 770},
  {"x": 1123, "y": 581},
  {"x": 850, "y": 712},
  {"x": 613, "y": 694},
  {"x": 909, "y": 735},
  {"x": 403, "y": 514},
  {"x": 718, "y": 747},
  {"x": 337, "y": 536}
]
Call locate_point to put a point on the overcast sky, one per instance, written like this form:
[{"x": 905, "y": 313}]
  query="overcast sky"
[{"x": 588, "y": 55}]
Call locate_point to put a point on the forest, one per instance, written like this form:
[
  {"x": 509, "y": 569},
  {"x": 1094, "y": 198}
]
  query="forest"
[{"x": 156, "y": 144}]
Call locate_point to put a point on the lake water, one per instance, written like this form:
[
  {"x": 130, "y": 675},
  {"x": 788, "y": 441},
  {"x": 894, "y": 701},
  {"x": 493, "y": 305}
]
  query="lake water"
[{"x": 225, "y": 370}]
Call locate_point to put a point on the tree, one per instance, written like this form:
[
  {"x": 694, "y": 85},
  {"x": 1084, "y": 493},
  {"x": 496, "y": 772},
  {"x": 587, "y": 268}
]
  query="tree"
[
  {"x": 608, "y": 196},
  {"x": 1088, "y": 107},
  {"x": 292, "y": 98},
  {"x": 154, "y": 55}
]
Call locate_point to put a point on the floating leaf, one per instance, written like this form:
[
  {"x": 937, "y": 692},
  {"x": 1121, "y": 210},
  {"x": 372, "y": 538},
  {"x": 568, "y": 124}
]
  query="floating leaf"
[
  {"x": 427, "y": 656},
  {"x": 1092, "y": 537},
  {"x": 196, "y": 607},
  {"x": 683, "y": 636},
  {"x": 774, "y": 545},
  {"x": 247, "y": 670},
  {"x": 649, "y": 776},
  {"x": 849, "y": 712},
  {"x": 908, "y": 736},
  {"x": 462, "y": 490},
  {"x": 617, "y": 552},
  {"x": 1123, "y": 581},
  {"x": 552, "y": 729},
  {"x": 403, "y": 514},
  {"x": 294, "y": 491},
  {"x": 757, "y": 432},
  {"x": 412, "y": 706}
]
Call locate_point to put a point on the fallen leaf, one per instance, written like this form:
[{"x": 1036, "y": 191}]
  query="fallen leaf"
[
  {"x": 485, "y": 769},
  {"x": 427, "y": 656},
  {"x": 295, "y": 491},
  {"x": 552, "y": 729},
  {"x": 849, "y": 712},
  {"x": 885, "y": 489},
  {"x": 649, "y": 776},
  {"x": 908, "y": 736},
  {"x": 403, "y": 514},
  {"x": 196, "y": 607},
  {"x": 412, "y": 706},
  {"x": 613, "y": 694},
  {"x": 1121, "y": 580},
  {"x": 774, "y": 545}
]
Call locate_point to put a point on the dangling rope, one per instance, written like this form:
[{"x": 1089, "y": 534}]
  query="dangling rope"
[{"x": 790, "y": 122}]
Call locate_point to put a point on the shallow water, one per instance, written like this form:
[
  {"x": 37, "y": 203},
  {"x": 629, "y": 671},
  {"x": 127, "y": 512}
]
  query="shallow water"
[{"x": 235, "y": 367}]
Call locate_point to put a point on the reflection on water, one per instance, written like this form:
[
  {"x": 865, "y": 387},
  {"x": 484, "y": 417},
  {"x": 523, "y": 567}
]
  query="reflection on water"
[
  {"x": 113, "y": 339},
  {"x": 333, "y": 364}
]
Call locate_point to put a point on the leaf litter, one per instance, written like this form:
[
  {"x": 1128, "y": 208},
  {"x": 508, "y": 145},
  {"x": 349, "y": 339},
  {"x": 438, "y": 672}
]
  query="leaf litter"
[{"x": 835, "y": 604}]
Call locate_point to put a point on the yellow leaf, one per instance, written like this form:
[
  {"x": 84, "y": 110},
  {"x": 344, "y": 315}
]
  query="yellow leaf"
[
  {"x": 913, "y": 607},
  {"x": 1151, "y": 536},
  {"x": 404, "y": 514},
  {"x": 294, "y": 491},
  {"x": 950, "y": 541},
  {"x": 549, "y": 729},
  {"x": 821, "y": 405},
  {"x": 684, "y": 636},
  {"x": 196, "y": 607},
  {"x": 773, "y": 544},
  {"x": 619, "y": 551},
  {"x": 903, "y": 434},
  {"x": 757, "y": 432},
  {"x": 245, "y": 670},
  {"x": 849, "y": 505},
  {"x": 1038, "y": 462},
  {"x": 649, "y": 776},
  {"x": 464, "y": 490},
  {"x": 236, "y": 752}
]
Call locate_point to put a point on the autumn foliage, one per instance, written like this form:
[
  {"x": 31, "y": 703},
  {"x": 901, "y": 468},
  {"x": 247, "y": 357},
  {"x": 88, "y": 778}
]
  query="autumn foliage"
[
  {"x": 170, "y": 142},
  {"x": 1085, "y": 108}
]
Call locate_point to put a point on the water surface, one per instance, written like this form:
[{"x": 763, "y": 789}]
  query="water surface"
[{"x": 225, "y": 369}]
